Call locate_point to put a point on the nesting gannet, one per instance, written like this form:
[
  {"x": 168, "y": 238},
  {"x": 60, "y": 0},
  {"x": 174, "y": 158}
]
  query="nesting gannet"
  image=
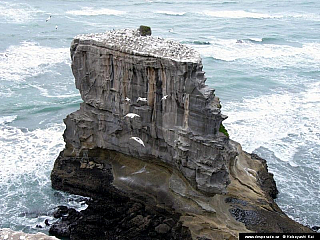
[
  {"x": 142, "y": 99},
  {"x": 132, "y": 115},
  {"x": 164, "y": 97},
  {"x": 48, "y": 18},
  {"x": 138, "y": 140}
]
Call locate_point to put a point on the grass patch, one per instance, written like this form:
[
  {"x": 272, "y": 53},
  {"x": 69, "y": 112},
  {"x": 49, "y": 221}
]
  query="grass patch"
[
  {"x": 145, "y": 30},
  {"x": 223, "y": 130}
]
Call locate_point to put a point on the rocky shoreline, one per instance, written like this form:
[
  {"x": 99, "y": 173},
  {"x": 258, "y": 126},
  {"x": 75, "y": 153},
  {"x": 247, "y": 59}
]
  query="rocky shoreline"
[
  {"x": 8, "y": 234},
  {"x": 146, "y": 145}
]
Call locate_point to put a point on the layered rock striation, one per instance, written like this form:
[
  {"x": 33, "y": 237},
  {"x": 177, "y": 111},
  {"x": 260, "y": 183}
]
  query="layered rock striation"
[
  {"x": 181, "y": 131},
  {"x": 183, "y": 164}
]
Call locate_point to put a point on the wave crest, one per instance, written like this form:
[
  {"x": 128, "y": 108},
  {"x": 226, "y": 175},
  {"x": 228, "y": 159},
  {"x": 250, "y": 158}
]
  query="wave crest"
[
  {"x": 88, "y": 11},
  {"x": 237, "y": 14},
  {"x": 171, "y": 13},
  {"x": 30, "y": 59}
]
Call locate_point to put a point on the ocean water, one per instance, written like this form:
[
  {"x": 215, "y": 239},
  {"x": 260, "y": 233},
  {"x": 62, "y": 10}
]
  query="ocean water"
[{"x": 262, "y": 57}]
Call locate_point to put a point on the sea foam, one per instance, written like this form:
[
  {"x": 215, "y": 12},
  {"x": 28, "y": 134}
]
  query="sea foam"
[
  {"x": 30, "y": 59},
  {"x": 26, "y": 197},
  {"x": 237, "y": 14},
  {"x": 270, "y": 54},
  {"x": 171, "y": 13},
  {"x": 88, "y": 11},
  {"x": 17, "y": 12},
  {"x": 281, "y": 121}
]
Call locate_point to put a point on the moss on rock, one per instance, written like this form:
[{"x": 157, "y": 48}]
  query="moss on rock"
[
  {"x": 223, "y": 130},
  {"x": 145, "y": 30}
]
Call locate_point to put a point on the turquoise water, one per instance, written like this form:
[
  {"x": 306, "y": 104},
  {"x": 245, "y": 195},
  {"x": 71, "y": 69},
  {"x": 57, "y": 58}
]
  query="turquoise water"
[{"x": 262, "y": 57}]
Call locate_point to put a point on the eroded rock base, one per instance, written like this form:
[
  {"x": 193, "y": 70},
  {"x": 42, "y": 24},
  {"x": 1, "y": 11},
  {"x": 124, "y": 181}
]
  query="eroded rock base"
[
  {"x": 135, "y": 199},
  {"x": 118, "y": 217}
]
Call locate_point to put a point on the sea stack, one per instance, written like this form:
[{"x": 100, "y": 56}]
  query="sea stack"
[{"x": 186, "y": 167}]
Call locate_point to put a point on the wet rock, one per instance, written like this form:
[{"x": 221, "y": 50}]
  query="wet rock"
[
  {"x": 96, "y": 222},
  {"x": 46, "y": 222},
  {"x": 266, "y": 179},
  {"x": 61, "y": 229},
  {"x": 248, "y": 217},
  {"x": 236, "y": 201},
  {"x": 62, "y": 210},
  {"x": 162, "y": 228}
]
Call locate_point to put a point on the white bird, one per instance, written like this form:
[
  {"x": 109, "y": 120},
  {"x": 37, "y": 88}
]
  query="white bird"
[
  {"x": 164, "y": 97},
  {"x": 127, "y": 99},
  {"x": 142, "y": 99},
  {"x": 48, "y": 18},
  {"x": 56, "y": 27},
  {"x": 132, "y": 115},
  {"x": 138, "y": 140}
]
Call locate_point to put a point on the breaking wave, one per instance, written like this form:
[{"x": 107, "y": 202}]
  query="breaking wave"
[
  {"x": 172, "y": 13},
  {"x": 89, "y": 11},
  {"x": 30, "y": 59}
]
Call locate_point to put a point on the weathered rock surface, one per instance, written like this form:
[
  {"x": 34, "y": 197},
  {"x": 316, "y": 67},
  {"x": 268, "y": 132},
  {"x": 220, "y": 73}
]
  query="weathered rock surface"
[
  {"x": 181, "y": 131},
  {"x": 8, "y": 234},
  {"x": 185, "y": 167}
]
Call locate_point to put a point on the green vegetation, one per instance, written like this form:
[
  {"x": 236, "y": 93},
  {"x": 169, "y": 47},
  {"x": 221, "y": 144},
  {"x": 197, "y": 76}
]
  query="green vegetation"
[
  {"x": 145, "y": 30},
  {"x": 223, "y": 130}
]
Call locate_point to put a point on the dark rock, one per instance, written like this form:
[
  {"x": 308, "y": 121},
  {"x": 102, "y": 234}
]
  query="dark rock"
[
  {"x": 236, "y": 201},
  {"x": 248, "y": 217},
  {"x": 169, "y": 222},
  {"x": 265, "y": 179},
  {"x": 263, "y": 221},
  {"x": 162, "y": 228},
  {"x": 108, "y": 218},
  {"x": 46, "y": 222},
  {"x": 203, "y": 238},
  {"x": 62, "y": 210},
  {"x": 60, "y": 229}
]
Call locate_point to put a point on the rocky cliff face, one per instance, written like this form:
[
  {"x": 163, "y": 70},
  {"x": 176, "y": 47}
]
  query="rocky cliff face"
[
  {"x": 181, "y": 130},
  {"x": 183, "y": 162}
]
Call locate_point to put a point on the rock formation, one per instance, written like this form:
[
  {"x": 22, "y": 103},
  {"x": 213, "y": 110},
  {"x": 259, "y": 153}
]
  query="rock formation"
[
  {"x": 8, "y": 234},
  {"x": 184, "y": 164}
]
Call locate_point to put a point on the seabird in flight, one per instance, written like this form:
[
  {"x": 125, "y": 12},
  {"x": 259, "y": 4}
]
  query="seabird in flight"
[
  {"x": 132, "y": 115},
  {"x": 141, "y": 99},
  {"x": 138, "y": 140}
]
